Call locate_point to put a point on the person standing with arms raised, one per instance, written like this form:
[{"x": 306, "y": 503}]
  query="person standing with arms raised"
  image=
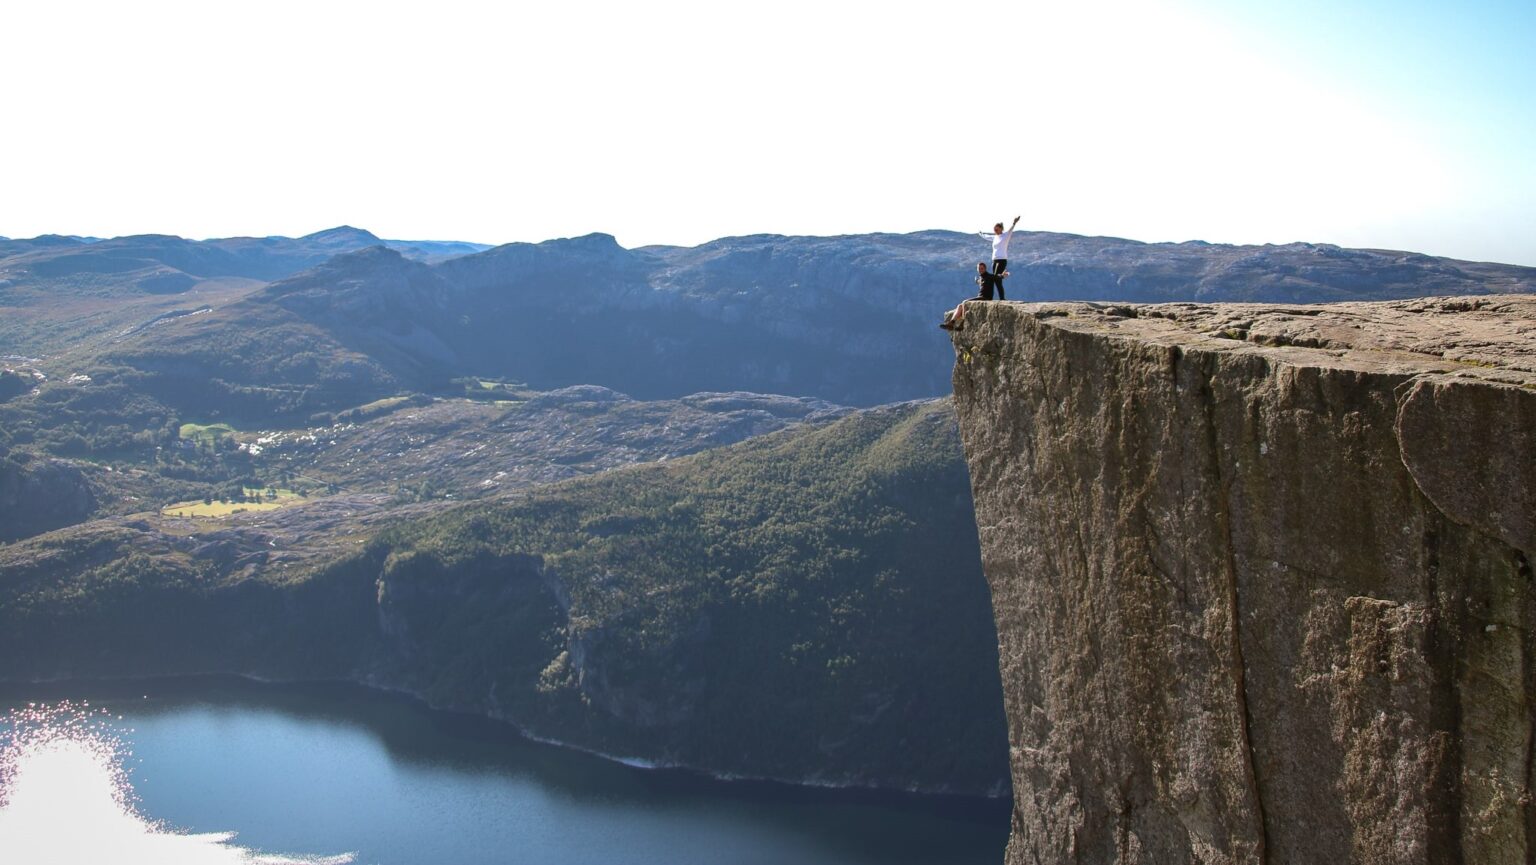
[{"x": 1000, "y": 239}]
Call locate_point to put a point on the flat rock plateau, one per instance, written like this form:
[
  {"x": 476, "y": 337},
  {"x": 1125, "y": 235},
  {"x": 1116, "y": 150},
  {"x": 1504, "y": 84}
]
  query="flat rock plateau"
[{"x": 1262, "y": 576}]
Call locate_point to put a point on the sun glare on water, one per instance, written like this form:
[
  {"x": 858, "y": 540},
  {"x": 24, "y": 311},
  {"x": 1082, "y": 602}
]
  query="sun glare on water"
[{"x": 65, "y": 799}]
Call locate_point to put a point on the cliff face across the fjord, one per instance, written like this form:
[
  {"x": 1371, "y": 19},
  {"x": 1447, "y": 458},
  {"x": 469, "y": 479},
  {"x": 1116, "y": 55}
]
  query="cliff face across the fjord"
[{"x": 1262, "y": 576}]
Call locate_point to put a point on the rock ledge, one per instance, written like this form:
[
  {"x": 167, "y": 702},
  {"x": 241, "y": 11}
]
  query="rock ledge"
[{"x": 1262, "y": 576}]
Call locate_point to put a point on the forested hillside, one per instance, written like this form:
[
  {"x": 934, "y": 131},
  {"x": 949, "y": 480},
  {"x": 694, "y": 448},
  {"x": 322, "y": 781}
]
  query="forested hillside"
[{"x": 804, "y": 605}]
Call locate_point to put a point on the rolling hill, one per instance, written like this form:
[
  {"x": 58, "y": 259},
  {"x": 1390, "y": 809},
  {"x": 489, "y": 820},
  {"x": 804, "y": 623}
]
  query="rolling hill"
[{"x": 846, "y": 319}]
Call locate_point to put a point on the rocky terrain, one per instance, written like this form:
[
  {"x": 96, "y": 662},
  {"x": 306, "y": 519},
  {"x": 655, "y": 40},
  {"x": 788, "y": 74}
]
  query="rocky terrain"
[
  {"x": 1262, "y": 576},
  {"x": 465, "y": 448},
  {"x": 845, "y": 319},
  {"x": 403, "y": 451},
  {"x": 348, "y": 318}
]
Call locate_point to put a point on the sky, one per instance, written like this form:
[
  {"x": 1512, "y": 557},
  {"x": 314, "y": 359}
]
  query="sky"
[{"x": 1403, "y": 125}]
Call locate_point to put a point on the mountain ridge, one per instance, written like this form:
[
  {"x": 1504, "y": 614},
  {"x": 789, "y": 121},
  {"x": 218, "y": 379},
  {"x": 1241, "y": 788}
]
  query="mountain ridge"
[{"x": 845, "y": 319}]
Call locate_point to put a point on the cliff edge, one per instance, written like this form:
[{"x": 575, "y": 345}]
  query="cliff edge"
[{"x": 1262, "y": 576}]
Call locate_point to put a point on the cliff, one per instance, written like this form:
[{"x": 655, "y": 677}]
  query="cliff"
[
  {"x": 37, "y": 495},
  {"x": 1262, "y": 576}
]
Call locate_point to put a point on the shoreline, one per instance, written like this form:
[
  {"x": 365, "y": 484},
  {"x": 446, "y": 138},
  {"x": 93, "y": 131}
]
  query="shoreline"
[{"x": 641, "y": 763}]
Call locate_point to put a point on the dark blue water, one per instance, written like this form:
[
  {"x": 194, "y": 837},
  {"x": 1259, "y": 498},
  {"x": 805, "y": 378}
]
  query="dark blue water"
[{"x": 342, "y": 770}]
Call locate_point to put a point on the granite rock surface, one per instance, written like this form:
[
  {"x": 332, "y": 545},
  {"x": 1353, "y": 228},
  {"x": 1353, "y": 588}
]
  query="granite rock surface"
[{"x": 1262, "y": 576}]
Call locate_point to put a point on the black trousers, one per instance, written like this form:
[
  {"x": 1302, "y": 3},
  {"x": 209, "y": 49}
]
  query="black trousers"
[{"x": 998, "y": 266}]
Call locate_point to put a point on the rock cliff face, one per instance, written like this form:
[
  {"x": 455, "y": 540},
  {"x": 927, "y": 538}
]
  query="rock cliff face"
[
  {"x": 1262, "y": 576},
  {"x": 38, "y": 495}
]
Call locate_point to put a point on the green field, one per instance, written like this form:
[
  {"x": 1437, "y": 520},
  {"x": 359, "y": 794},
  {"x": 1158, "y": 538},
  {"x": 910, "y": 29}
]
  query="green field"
[{"x": 217, "y": 509}]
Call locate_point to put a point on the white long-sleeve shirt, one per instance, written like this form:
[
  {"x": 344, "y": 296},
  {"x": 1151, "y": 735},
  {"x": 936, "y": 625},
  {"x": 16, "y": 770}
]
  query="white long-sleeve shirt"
[{"x": 999, "y": 242}]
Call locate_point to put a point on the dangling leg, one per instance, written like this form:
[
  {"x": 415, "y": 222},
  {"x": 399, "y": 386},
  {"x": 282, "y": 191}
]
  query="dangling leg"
[{"x": 956, "y": 322}]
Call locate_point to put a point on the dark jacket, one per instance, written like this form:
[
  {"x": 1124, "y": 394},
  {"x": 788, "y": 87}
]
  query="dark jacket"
[{"x": 989, "y": 282}]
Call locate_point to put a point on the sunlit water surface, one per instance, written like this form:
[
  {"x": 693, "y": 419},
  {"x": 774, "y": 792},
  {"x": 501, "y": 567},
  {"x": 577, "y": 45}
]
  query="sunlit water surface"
[
  {"x": 65, "y": 797},
  {"x": 208, "y": 772}
]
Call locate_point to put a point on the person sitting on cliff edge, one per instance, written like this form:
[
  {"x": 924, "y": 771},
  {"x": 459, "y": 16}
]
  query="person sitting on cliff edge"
[{"x": 987, "y": 283}]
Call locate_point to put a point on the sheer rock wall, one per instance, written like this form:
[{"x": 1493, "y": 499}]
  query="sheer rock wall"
[{"x": 1262, "y": 576}]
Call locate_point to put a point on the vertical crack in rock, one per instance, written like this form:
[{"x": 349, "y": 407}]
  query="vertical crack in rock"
[
  {"x": 1234, "y": 601},
  {"x": 1468, "y": 446},
  {"x": 1443, "y": 806}
]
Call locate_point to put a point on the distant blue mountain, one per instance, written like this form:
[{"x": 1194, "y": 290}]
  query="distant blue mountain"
[
  {"x": 430, "y": 250},
  {"x": 53, "y": 256}
]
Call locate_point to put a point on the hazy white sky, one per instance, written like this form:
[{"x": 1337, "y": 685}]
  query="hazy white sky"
[{"x": 1399, "y": 124}]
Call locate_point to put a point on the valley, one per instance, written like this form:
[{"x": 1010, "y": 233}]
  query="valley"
[{"x": 696, "y": 507}]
